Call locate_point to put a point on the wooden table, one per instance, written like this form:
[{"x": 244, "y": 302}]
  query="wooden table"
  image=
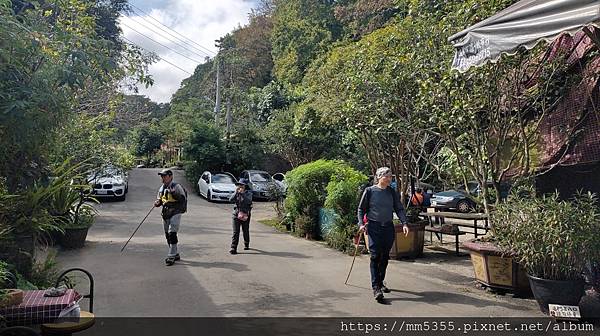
[{"x": 475, "y": 217}]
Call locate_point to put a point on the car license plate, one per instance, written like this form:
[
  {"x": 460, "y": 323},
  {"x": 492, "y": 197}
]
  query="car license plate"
[
  {"x": 101, "y": 192},
  {"x": 564, "y": 311}
]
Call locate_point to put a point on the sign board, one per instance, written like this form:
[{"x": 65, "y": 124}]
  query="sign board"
[{"x": 564, "y": 311}]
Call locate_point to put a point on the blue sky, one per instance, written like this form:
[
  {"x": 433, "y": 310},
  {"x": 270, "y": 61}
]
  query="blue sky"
[{"x": 202, "y": 21}]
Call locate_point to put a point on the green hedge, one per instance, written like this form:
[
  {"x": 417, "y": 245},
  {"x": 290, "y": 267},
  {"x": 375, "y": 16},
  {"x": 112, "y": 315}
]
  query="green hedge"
[{"x": 331, "y": 184}]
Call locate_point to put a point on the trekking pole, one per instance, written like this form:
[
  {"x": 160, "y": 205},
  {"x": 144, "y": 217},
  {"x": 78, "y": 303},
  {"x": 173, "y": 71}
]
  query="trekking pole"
[
  {"x": 142, "y": 222},
  {"x": 353, "y": 259}
]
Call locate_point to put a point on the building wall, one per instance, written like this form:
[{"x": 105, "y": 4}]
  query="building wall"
[{"x": 569, "y": 179}]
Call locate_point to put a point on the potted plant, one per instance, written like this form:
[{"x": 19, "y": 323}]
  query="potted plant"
[
  {"x": 76, "y": 231},
  {"x": 410, "y": 246},
  {"x": 496, "y": 268},
  {"x": 553, "y": 239}
]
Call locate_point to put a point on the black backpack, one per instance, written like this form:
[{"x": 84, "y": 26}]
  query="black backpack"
[
  {"x": 184, "y": 205},
  {"x": 182, "y": 208}
]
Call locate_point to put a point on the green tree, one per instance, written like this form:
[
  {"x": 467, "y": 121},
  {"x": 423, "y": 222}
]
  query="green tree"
[
  {"x": 302, "y": 30},
  {"x": 204, "y": 151},
  {"x": 147, "y": 140}
]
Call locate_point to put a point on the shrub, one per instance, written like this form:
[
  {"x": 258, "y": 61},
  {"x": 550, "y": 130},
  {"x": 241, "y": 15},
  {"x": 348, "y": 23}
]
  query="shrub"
[
  {"x": 333, "y": 184},
  {"x": 552, "y": 239}
]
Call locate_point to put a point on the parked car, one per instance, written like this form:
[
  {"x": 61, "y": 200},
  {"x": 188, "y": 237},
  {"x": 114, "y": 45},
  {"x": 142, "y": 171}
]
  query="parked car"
[
  {"x": 279, "y": 179},
  {"x": 475, "y": 189},
  {"x": 260, "y": 183},
  {"x": 109, "y": 181},
  {"x": 454, "y": 200},
  {"x": 216, "y": 186}
]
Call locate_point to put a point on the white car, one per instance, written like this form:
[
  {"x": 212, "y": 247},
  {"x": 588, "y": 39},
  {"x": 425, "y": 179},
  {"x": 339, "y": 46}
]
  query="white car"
[
  {"x": 217, "y": 186},
  {"x": 109, "y": 182}
]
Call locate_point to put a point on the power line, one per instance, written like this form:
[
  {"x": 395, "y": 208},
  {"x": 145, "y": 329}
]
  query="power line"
[
  {"x": 161, "y": 58},
  {"x": 160, "y": 32},
  {"x": 164, "y": 46},
  {"x": 171, "y": 29}
]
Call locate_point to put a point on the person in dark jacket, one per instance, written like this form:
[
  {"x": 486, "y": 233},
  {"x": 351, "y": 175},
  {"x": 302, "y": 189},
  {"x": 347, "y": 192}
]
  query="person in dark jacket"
[
  {"x": 379, "y": 202},
  {"x": 241, "y": 215}
]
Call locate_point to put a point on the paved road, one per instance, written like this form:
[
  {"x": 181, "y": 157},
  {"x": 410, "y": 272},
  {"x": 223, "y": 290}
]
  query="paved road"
[{"x": 281, "y": 275}]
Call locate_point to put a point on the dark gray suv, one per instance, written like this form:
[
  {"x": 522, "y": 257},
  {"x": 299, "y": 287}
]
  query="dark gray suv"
[{"x": 261, "y": 183}]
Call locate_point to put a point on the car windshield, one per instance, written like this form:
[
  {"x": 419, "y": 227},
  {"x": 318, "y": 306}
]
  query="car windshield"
[
  {"x": 260, "y": 177},
  {"x": 222, "y": 178},
  {"x": 448, "y": 193}
]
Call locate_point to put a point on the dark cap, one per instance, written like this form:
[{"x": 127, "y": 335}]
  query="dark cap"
[
  {"x": 165, "y": 172},
  {"x": 243, "y": 182}
]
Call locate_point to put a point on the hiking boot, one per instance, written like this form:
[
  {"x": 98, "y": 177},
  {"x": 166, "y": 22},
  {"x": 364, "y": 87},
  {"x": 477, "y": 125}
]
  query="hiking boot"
[
  {"x": 378, "y": 294},
  {"x": 233, "y": 251},
  {"x": 384, "y": 288},
  {"x": 177, "y": 257},
  {"x": 170, "y": 261}
]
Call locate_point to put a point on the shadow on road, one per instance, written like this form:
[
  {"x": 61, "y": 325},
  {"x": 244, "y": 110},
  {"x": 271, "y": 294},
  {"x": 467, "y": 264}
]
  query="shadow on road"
[
  {"x": 278, "y": 254},
  {"x": 432, "y": 297},
  {"x": 222, "y": 265}
]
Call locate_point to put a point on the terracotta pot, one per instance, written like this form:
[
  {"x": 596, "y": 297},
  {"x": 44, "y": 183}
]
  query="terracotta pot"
[
  {"x": 13, "y": 298},
  {"x": 495, "y": 269}
]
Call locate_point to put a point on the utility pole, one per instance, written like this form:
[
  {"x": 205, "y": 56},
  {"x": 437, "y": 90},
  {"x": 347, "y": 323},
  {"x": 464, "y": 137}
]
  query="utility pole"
[
  {"x": 218, "y": 97},
  {"x": 228, "y": 117}
]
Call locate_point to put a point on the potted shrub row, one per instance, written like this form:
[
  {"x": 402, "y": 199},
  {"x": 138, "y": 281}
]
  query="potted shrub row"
[{"x": 553, "y": 239}]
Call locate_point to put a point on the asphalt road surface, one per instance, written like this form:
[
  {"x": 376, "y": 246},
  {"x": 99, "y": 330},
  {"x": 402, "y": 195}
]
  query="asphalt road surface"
[{"x": 280, "y": 276}]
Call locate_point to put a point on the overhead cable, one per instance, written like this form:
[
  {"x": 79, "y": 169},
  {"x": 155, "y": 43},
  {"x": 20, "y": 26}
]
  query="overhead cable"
[{"x": 171, "y": 29}]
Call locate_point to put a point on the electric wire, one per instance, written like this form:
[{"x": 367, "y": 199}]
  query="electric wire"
[
  {"x": 161, "y": 58},
  {"x": 160, "y": 32},
  {"x": 171, "y": 29},
  {"x": 164, "y": 46}
]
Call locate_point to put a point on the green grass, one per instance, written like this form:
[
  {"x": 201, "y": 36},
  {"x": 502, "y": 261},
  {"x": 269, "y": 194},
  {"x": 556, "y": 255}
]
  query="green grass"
[{"x": 274, "y": 222}]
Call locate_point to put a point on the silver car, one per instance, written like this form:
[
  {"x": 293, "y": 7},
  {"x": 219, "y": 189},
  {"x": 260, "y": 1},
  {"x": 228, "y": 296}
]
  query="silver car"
[{"x": 216, "y": 186}]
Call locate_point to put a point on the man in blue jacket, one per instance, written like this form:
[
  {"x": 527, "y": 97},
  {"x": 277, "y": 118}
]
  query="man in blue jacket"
[{"x": 379, "y": 202}]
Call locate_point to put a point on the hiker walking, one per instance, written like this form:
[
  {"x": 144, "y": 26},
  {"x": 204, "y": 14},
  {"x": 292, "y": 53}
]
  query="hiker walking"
[
  {"x": 241, "y": 215},
  {"x": 378, "y": 203},
  {"x": 173, "y": 199}
]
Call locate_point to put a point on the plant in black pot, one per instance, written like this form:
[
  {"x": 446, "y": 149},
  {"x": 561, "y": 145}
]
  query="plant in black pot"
[
  {"x": 553, "y": 240},
  {"x": 76, "y": 230}
]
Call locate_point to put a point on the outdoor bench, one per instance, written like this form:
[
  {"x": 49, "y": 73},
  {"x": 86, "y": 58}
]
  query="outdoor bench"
[
  {"x": 440, "y": 231},
  {"x": 475, "y": 217}
]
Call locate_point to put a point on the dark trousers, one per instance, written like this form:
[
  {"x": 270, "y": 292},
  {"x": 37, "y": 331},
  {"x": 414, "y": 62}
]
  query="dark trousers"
[
  {"x": 236, "y": 232},
  {"x": 381, "y": 239}
]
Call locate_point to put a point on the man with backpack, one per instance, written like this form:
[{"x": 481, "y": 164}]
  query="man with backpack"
[
  {"x": 173, "y": 198},
  {"x": 378, "y": 203}
]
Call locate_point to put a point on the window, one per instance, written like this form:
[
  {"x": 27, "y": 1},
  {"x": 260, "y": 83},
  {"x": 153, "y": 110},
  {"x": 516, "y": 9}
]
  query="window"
[
  {"x": 260, "y": 177},
  {"x": 222, "y": 178}
]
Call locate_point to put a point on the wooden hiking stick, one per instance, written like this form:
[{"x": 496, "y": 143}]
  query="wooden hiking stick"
[{"x": 353, "y": 259}]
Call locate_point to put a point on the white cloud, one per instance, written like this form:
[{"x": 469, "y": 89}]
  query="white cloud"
[{"x": 202, "y": 21}]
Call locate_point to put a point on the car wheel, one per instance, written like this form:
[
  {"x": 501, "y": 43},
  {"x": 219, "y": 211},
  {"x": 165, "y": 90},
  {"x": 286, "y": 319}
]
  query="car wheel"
[
  {"x": 121, "y": 198},
  {"x": 464, "y": 206},
  {"x": 208, "y": 196}
]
